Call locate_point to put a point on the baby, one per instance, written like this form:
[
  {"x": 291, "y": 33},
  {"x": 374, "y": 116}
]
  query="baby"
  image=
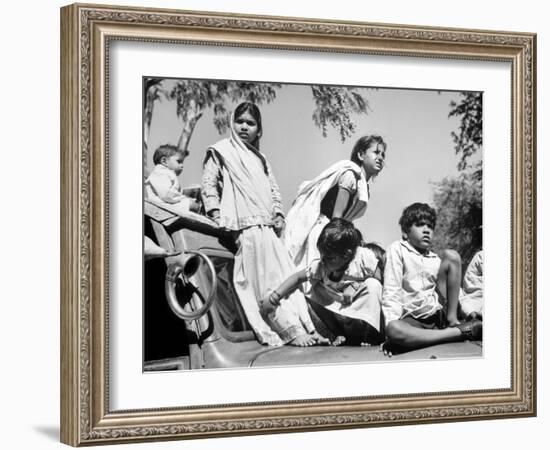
[{"x": 162, "y": 185}]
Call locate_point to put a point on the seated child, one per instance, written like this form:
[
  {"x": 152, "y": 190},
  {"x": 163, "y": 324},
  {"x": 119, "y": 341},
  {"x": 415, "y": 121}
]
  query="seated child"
[
  {"x": 421, "y": 290},
  {"x": 344, "y": 295},
  {"x": 380, "y": 255},
  {"x": 162, "y": 185},
  {"x": 471, "y": 303}
]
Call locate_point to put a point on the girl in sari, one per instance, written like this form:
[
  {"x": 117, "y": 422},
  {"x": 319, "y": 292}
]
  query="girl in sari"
[
  {"x": 241, "y": 194},
  {"x": 341, "y": 191}
]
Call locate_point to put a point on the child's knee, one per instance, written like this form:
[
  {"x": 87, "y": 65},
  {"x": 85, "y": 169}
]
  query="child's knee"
[
  {"x": 451, "y": 256},
  {"x": 395, "y": 331}
]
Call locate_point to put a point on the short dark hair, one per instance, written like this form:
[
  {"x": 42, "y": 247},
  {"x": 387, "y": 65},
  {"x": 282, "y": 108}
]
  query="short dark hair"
[
  {"x": 363, "y": 143},
  {"x": 378, "y": 251},
  {"x": 165, "y": 150},
  {"x": 340, "y": 237},
  {"x": 415, "y": 214}
]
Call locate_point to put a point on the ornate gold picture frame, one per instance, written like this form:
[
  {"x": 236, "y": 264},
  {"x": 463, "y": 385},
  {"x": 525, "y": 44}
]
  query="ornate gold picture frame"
[{"x": 87, "y": 34}]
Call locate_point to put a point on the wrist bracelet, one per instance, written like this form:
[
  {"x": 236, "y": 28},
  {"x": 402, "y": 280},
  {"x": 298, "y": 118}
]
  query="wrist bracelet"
[{"x": 274, "y": 301}]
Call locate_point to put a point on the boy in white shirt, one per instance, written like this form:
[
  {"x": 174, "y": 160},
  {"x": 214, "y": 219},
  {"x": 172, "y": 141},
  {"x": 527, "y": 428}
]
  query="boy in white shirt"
[
  {"x": 471, "y": 303},
  {"x": 421, "y": 289},
  {"x": 163, "y": 185}
]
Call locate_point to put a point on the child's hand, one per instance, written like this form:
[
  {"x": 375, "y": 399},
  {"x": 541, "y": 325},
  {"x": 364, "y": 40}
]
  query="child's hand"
[
  {"x": 269, "y": 303},
  {"x": 279, "y": 225},
  {"x": 194, "y": 206},
  {"x": 215, "y": 215},
  {"x": 152, "y": 250},
  {"x": 347, "y": 299}
]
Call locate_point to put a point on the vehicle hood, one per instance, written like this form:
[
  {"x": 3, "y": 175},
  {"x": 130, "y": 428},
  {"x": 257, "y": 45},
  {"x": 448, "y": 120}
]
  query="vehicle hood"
[{"x": 288, "y": 355}]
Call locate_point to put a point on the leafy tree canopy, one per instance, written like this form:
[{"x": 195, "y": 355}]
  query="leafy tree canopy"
[
  {"x": 193, "y": 97},
  {"x": 469, "y": 138},
  {"x": 458, "y": 200},
  {"x": 335, "y": 106}
]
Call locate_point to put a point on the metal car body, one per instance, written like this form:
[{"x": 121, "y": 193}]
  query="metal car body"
[{"x": 220, "y": 336}]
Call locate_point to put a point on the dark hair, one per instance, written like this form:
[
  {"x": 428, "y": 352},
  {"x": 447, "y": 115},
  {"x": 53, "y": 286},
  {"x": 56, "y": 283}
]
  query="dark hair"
[
  {"x": 252, "y": 109},
  {"x": 363, "y": 143},
  {"x": 340, "y": 237},
  {"x": 416, "y": 214},
  {"x": 165, "y": 150},
  {"x": 257, "y": 116},
  {"x": 378, "y": 251}
]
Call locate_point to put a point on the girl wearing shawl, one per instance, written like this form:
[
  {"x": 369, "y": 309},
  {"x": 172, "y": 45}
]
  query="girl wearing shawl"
[
  {"x": 241, "y": 194},
  {"x": 341, "y": 191}
]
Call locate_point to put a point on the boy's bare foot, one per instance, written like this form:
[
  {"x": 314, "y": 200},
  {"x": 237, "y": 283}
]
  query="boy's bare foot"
[
  {"x": 339, "y": 340},
  {"x": 389, "y": 349},
  {"x": 304, "y": 340},
  {"x": 321, "y": 340},
  {"x": 385, "y": 347}
]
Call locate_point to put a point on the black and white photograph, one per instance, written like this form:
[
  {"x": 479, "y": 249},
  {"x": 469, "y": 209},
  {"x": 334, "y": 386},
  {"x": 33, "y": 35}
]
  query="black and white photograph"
[
  {"x": 294, "y": 224},
  {"x": 166, "y": 282}
]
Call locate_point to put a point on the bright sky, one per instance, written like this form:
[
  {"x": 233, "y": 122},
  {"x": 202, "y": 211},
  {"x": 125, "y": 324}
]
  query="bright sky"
[{"x": 414, "y": 123}]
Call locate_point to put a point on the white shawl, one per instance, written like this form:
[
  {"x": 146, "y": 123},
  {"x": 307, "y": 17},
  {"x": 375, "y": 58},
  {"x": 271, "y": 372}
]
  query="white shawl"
[
  {"x": 306, "y": 208},
  {"x": 246, "y": 198}
]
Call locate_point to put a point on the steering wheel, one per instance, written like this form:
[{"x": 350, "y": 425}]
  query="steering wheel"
[{"x": 183, "y": 273}]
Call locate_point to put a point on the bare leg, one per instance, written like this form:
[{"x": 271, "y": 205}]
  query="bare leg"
[
  {"x": 448, "y": 282},
  {"x": 408, "y": 336}
]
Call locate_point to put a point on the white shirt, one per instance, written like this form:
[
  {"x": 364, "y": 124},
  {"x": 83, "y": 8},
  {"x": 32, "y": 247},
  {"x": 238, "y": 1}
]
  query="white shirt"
[
  {"x": 410, "y": 279},
  {"x": 162, "y": 184},
  {"x": 364, "y": 291},
  {"x": 472, "y": 300},
  {"x": 362, "y": 266}
]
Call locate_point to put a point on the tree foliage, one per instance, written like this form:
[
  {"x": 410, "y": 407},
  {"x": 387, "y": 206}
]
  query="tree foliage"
[
  {"x": 469, "y": 138},
  {"x": 458, "y": 202},
  {"x": 153, "y": 91},
  {"x": 335, "y": 106},
  {"x": 193, "y": 97}
]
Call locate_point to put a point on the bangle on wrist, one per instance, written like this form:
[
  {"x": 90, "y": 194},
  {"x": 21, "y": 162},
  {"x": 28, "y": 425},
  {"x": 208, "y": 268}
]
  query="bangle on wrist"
[{"x": 274, "y": 298}]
